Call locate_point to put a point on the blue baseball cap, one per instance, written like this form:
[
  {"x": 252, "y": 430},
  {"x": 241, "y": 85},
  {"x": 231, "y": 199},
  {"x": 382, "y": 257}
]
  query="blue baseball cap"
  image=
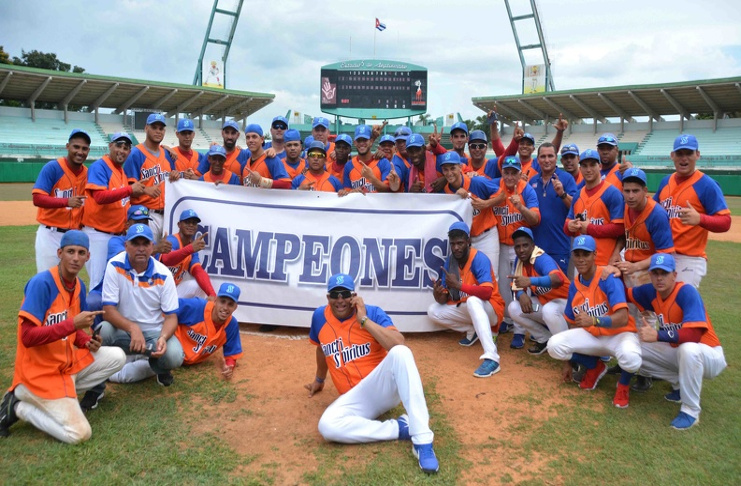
[
  {"x": 77, "y": 132},
  {"x": 459, "y": 126},
  {"x": 386, "y": 138},
  {"x": 459, "y": 226},
  {"x": 362, "y": 131},
  {"x": 189, "y": 214},
  {"x": 450, "y": 157},
  {"x": 477, "y": 135},
  {"x": 156, "y": 118},
  {"x": 253, "y": 128},
  {"x": 589, "y": 154},
  {"x": 316, "y": 145},
  {"x": 686, "y": 141},
  {"x": 636, "y": 174},
  {"x": 415, "y": 140},
  {"x": 320, "y": 121},
  {"x": 138, "y": 212},
  {"x": 343, "y": 137},
  {"x": 309, "y": 139},
  {"x": 571, "y": 149},
  {"x": 607, "y": 139},
  {"x": 340, "y": 281},
  {"x": 584, "y": 242},
  {"x": 511, "y": 162},
  {"x": 402, "y": 133},
  {"x": 231, "y": 124},
  {"x": 121, "y": 136},
  {"x": 139, "y": 231},
  {"x": 528, "y": 136},
  {"x": 216, "y": 150},
  {"x": 76, "y": 238},
  {"x": 186, "y": 125},
  {"x": 523, "y": 230},
  {"x": 292, "y": 135},
  {"x": 279, "y": 119},
  {"x": 230, "y": 291},
  {"x": 662, "y": 261}
]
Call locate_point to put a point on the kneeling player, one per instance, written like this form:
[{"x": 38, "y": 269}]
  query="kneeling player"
[
  {"x": 372, "y": 370},
  {"x": 685, "y": 349},
  {"x": 597, "y": 312}
]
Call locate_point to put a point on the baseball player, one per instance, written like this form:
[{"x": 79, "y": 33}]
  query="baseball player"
[
  {"x": 316, "y": 178},
  {"x": 401, "y": 135},
  {"x": 525, "y": 149},
  {"x": 421, "y": 173},
  {"x": 600, "y": 325},
  {"x": 236, "y": 157},
  {"x": 597, "y": 210},
  {"x": 108, "y": 200},
  {"x": 140, "y": 301},
  {"x": 217, "y": 174},
  {"x": 386, "y": 145},
  {"x": 541, "y": 290},
  {"x": 555, "y": 190},
  {"x": 342, "y": 149},
  {"x": 148, "y": 163},
  {"x": 479, "y": 165},
  {"x": 261, "y": 170},
  {"x": 278, "y": 130},
  {"x": 467, "y": 298},
  {"x": 183, "y": 260},
  {"x": 372, "y": 370},
  {"x": 366, "y": 174},
  {"x": 695, "y": 205},
  {"x": 607, "y": 146},
  {"x": 55, "y": 359},
  {"x": 186, "y": 160},
  {"x": 204, "y": 326},
  {"x": 59, "y": 195},
  {"x": 518, "y": 209},
  {"x": 320, "y": 131},
  {"x": 685, "y": 348},
  {"x": 570, "y": 163},
  {"x": 292, "y": 161}
]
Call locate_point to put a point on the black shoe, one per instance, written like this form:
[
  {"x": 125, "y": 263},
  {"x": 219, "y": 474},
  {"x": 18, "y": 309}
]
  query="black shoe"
[
  {"x": 267, "y": 328},
  {"x": 538, "y": 348},
  {"x": 91, "y": 400},
  {"x": 165, "y": 379},
  {"x": 614, "y": 370},
  {"x": 7, "y": 413},
  {"x": 577, "y": 372},
  {"x": 642, "y": 384}
]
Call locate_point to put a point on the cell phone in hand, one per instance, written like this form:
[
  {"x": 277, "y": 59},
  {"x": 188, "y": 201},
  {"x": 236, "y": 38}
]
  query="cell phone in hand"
[
  {"x": 151, "y": 348},
  {"x": 580, "y": 217},
  {"x": 491, "y": 119},
  {"x": 96, "y": 331}
]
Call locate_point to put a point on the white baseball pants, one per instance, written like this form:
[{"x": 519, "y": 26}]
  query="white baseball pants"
[
  {"x": 545, "y": 322},
  {"x": 95, "y": 266},
  {"x": 488, "y": 243},
  {"x": 47, "y": 244},
  {"x": 506, "y": 267},
  {"x": 472, "y": 315},
  {"x": 624, "y": 347},
  {"x": 690, "y": 269}
]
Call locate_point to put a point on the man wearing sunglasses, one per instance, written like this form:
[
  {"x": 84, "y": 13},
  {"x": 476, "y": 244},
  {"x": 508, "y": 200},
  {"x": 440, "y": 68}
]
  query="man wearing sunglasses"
[
  {"x": 372, "y": 369},
  {"x": 278, "y": 129},
  {"x": 316, "y": 178},
  {"x": 478, "y": 165}
]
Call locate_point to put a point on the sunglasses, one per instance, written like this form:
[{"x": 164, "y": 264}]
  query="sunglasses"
[
  {"x": 478, "y": 146},
  {"x": 280, "y": 127},
  {"x": 317, "y": 155},
  {"x": 336, "y": 294},
  {"x": 123, "y": 144}
]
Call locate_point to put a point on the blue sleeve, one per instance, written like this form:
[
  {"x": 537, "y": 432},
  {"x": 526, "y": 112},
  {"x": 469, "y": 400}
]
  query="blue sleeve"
[
  {"x": 99, "y": 174},
  {"x": 659, "y": 228},
  {"x": 544, "y": 265},
  {"x": 347, "y": 183},
  {"x": 568, "y": 312},
  {"x": 48, "y": 177},
  {"x": 203, "y": 165},
  {"x": 233, "y": 344},
  {"x": 385, "y": 167},
  {"x": 234, "y": 180},
  {"x": 710, "y": 195},
  {"x": 483, "y": 187},
  {"x": 276, "y": 168},
  {"x": 615, "y": 203},
  {"x": 613, "y": 289},
  {"x": 481, "y": 268},
  {"x": 492, "y": 169},
  {"x": 83, "y": 296},
  {"x": 174, "y": 241},
  {"x": 569, "y": 184},
  {"x": 530, "y": 198},
  {"x": 446, "y": 266},
  {"x": 133, "y": 165},
  {"x": 643, "y": 296},
  {"x": 296, "y": 182},
  {"x": 573, "y": 203},
  {"x": 335, "y": 183},
  {"x": 190, "y": 311},
  {"x": 689, "y": 300},
  {"x": 662, "y": 184},
  {"x": 38, "y": 296},
  {"x": 244, "y": 157},
  {"x": 379, "y": 316},
  {"x": 195, "y": 260},
  {"x": 115, "y": 246},
  {"x": 317, "y": 323}
]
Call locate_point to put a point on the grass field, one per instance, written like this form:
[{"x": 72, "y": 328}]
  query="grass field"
[{"x": 144, "y": 436}]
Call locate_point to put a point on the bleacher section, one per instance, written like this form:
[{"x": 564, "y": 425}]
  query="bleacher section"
[
  {"x": 722, "y": 142},
  {"x": 23, "y": 137}
]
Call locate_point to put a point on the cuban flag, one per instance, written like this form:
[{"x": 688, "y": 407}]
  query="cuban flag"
[{"x": 380, "y": 26}]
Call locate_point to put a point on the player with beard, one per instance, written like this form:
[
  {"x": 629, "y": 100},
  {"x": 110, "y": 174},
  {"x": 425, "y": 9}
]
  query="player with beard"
[
  {"x": 570, "y": 163},
  {"x": 236, "y": 157},
  {"x": 366, "y": 174},
  {"x": 292, "y": 161}
]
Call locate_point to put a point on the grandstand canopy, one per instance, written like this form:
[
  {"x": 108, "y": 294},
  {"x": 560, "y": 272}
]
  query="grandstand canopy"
[
  {"x": 714, "y": 96},
  {"x": 33, "y": 85}
]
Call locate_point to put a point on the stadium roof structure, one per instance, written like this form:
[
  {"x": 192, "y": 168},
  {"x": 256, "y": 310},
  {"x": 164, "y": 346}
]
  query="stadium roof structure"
[
  {"x": 716, "y": 96},
  {"x": 34, "y": 85}
]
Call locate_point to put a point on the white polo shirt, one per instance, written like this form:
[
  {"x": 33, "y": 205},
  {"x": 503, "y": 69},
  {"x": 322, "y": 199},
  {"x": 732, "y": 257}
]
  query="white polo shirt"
[{"x": 142, "y": 298}]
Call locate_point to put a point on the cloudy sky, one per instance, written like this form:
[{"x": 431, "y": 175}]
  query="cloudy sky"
[{"x": 467, "y": 46}]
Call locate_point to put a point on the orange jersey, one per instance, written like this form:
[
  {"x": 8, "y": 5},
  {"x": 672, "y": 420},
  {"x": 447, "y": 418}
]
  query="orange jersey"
[
  {"x": 271, "y": 168},
  {"x": 649, "y": 233},
  {"x": 185, "y": 161},
  {"x": 337, "y": 171},
  {"x": 508, "y": 217},
  {"x": 200, "y": 336},
  {"x": 142, "y": 165},
  {"x": 294, "y": 171},
  {"x": 57, "y": 179},
  {"x": 186, "y": 264},
  {"x": 605, "y": 206},
  {"x": 478, "y": 271},
  {"x": 614, "y": 176},
  {"x": 545, "y": 266},
  {"x": 105, "y": 175},
  {"x": 598, "y": 298},
  {"x": 354, "y": 173},
  {"x": 325, "y": 182},
  {"x": 482, "y": 189},
  {"x": 351, "y": 352},
  {"x": 227, "y": 177},
  {"x": 47, "y": 370}
]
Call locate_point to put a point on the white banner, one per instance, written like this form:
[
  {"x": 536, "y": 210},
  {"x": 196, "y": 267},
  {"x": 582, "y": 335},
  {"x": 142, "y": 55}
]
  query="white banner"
[{"x": 282, "y": 246}]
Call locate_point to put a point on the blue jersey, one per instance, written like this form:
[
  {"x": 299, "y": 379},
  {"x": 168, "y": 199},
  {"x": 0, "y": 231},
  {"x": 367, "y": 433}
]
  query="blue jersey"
[{"x": 549, "y": 233}]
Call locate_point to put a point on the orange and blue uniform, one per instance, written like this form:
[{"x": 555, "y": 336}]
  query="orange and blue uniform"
[
  {"x": 613, "y": 176},
  {"x": 294, "y": 171},
  {"x": 227, "y": 177},
  {"x": 648, "y": 233},
  {"x": 235, "y": 162},
  {"x": 200, "y": 336},
  {"x": 142, "y": 165},
  {"x": 353, "y": 176},
  {"x": 545, "y": 266},
  {"x": 604, "y": 206},
  {"x": 508, "y": 217},
  {"x": 186, "y": 264},
  {"x": 325, "y": 182},
  {"x": 57, "y": 179},
  {"x": 482, "y": 188},
  {"x": 187, "y": 161},
  {"x": 478, "y": 271},
  {"x": 104, "y": 175},
  {"x": 597, "y": 298},
  {"x": 270, "y": 167}
]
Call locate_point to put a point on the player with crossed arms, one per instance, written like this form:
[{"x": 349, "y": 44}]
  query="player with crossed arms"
[{"x": 372, "y": 369}]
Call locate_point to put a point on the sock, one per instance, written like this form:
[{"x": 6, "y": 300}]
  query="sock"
[
  {"x": 589, "y": 362},
  {"x": 625, "y": 377}
]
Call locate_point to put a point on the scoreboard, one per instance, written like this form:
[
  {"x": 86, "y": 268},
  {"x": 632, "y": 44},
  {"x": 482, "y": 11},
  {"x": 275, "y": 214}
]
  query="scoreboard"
[{"x": 373, "y": 89}]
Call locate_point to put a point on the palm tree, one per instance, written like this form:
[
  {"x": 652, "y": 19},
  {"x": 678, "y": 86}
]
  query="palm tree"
[{"x": 424, "y": 119}]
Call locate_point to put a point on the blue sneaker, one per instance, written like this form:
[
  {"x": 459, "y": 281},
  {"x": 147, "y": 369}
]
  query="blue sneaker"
[
  {"x": 518, "y": 341},
  {"x": 404, "y": 427},
  {"x": 674, "y": 396},
  {"x": 505, "y": 327},
  {"x": 427, "y": 459},
  {"x": 469, "y": 341},
  {"x": 487, "y": 368},
  {"x": 683, "y": 421}
]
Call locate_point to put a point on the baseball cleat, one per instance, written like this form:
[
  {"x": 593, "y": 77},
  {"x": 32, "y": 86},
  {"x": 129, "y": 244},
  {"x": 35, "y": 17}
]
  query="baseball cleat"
[
  {"x": 91, "y": 400},
  {"x": 642, "y": 384},
  {"x": 593, "y": 376},
  {"x": 674, "y": 396},
  {"x": 614, "y": 370},
  {"x": 518, "y": 341},
  {"x": 165, "y": 379},
  {"x": 7, "y": 413},
  {"x": 538, "y": 348},
  {"x": 426, "y": 457},
  {"x": 403, "y": 421},
  {"x": 487, "y": 368},
  {"x": 622, "y": 396},
  {"x": 684, "y": 421},
  {"x": 469, "y": 340},
  {"x": 505, "y": 327},
  {"x": 577, "y": 372}
]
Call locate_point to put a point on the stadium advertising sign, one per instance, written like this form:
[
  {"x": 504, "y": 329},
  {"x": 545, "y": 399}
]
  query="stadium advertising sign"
[
  {"x": 373, "y": 89},
  {"x": 281, "y": 247}
]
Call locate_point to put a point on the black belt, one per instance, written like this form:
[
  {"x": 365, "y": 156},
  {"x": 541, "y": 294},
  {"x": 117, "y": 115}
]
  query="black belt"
[
  {"x": 158, "y": 211},
  {"x": 58, "y": 230},
  {"x": 107, "y": 232}
]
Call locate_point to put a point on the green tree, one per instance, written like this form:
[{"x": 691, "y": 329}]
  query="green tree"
[
  {"x": 482, "y": 124},
  {"x": 424, "y": 119},
  {"x": 4, "y": 56}
]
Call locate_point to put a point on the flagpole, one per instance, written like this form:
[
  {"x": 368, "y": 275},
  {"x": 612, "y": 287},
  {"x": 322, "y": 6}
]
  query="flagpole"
[{"x": 374, "y": 42}]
